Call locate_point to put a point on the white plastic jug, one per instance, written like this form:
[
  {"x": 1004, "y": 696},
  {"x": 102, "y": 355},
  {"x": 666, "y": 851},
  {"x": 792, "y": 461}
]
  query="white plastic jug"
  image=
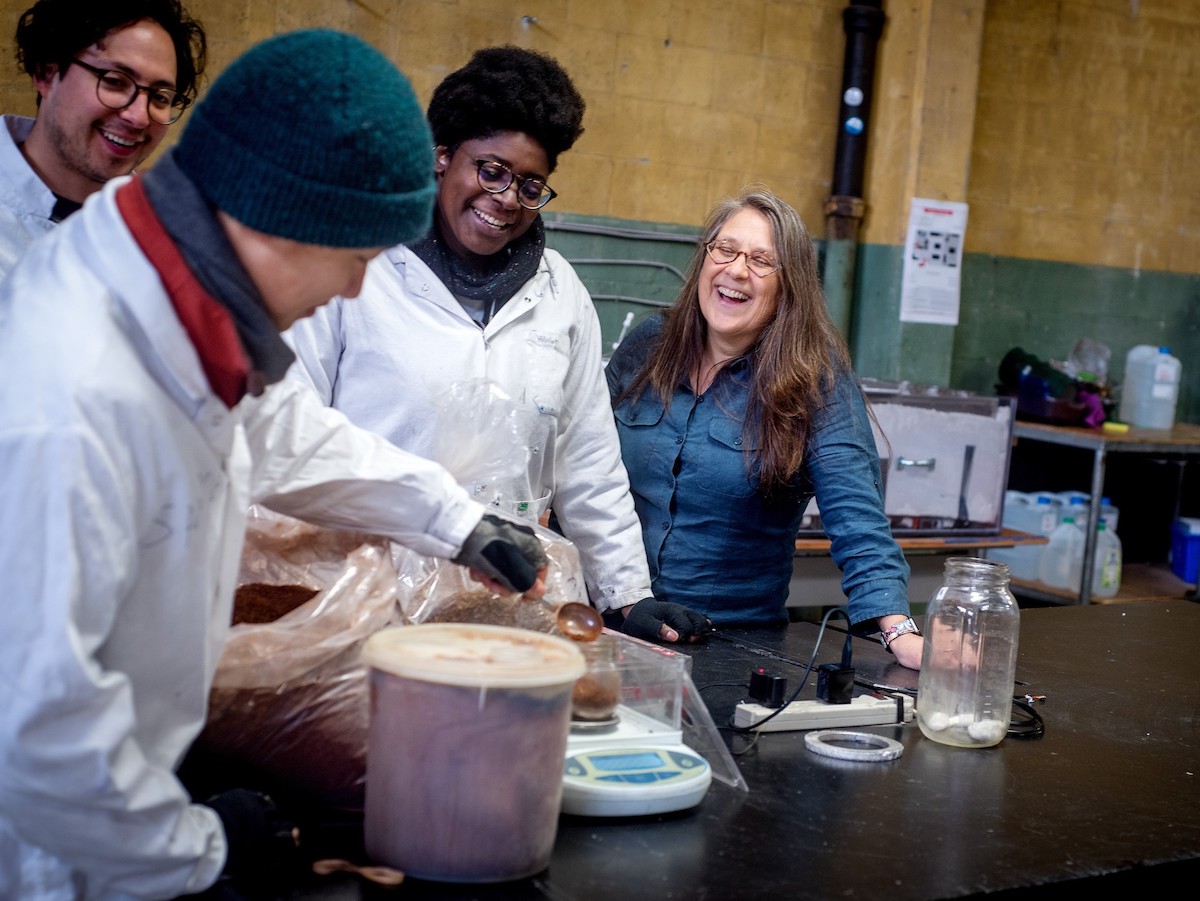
[
  {"x": 1151, "y": 387},
  {"x": 1106, "y": 567},
  {"x": 1109, "y": 513},
  {"x": 1026, "y": 513},
  {"x": 1077, "y": 504},
  {"x": 1053, "y": 498},
  {"x": 1062, "y": 559}
]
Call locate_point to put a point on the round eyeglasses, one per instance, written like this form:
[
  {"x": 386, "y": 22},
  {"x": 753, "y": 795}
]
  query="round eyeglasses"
[
  {"x": 758, "y": 263},
  {"x": 116, "y": 90},
  {"x": 496, "y": 178}
]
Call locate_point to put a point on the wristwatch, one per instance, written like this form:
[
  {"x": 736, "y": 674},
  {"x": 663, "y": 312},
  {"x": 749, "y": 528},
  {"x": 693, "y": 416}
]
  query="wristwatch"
[{"x": 891, "y": 633}]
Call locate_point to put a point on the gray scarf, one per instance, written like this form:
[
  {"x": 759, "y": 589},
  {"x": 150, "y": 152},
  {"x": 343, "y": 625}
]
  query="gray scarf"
[
  {"x": 192, "y": 224},
  {"x": 503, "y": 275}
]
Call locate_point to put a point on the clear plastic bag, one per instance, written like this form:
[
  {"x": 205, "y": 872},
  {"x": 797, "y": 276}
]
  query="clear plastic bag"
[
  {"x": 481, "y": 442},
  {"x": 479, "y": 437},
  {"x": 433, "y": 590},
  {"x": 1089, "y": 361},
  {"x": 289, "y": 697}
]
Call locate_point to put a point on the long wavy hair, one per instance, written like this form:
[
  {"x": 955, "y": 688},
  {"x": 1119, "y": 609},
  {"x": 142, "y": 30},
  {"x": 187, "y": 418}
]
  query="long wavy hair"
[{"x": 795, "y": 356}]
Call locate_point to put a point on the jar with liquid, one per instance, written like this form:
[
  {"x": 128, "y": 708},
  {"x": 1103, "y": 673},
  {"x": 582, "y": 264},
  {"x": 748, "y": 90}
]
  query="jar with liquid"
[
  {"x": 966, "y": 686},
  {"x": 598, "y": 691}
]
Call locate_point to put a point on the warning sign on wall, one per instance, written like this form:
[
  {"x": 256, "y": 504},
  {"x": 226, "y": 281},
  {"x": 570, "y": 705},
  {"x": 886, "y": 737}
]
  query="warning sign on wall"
[{"x": 933, "y": 262}]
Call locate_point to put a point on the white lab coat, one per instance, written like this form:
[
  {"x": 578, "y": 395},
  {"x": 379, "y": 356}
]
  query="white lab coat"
[
  {"x": 126, "y": 484},
  {"x": 387, "y": 357},
  {"x": 25, "y": 201}
]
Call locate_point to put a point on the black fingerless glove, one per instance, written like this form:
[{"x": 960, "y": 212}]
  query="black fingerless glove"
[
  {"x": 508, "y": 552},
  {"x": 648, "y": 615},
  {"x": 259, "y": 837}
]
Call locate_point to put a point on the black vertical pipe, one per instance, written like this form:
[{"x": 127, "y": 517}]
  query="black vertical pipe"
[{"x": 863, "y": 22}]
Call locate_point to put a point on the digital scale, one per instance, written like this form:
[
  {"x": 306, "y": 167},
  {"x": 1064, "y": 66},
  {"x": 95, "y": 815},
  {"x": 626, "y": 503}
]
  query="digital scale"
[
  {"x": 640, "y": 761},
  {"x": 640, "y": 771}
]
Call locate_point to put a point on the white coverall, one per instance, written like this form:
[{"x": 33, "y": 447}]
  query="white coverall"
[
  {"x": 25, "y": 201},
  {"x": 126, "y": 485},
  {"x": 386, "y": 357}
]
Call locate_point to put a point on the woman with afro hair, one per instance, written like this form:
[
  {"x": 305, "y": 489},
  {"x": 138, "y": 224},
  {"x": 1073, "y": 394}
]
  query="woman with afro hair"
[{"x": 482, "y": 297}]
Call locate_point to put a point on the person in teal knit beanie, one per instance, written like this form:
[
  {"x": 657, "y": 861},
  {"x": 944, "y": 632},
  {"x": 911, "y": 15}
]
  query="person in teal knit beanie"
[
  {"x": 143, "y": 410},
  {"x": 337, "y": 153}
]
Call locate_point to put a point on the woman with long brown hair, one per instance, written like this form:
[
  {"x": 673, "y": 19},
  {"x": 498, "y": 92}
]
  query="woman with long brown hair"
[{"x": 734, "y": 408}]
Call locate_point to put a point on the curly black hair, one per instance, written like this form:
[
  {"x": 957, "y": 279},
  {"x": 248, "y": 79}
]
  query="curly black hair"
[
  {"x": 508, "y": 89},
  {"x": 52, "y": 32}
]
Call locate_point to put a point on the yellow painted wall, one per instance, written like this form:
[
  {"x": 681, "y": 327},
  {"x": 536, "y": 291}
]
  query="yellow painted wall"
[
  {"x": 1087, "y": 142},
  {"x": 1083, "y": 146}
]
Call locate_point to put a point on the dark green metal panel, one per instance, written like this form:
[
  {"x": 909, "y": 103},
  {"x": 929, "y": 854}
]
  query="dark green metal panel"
[{"x": 1044, "y": 307}]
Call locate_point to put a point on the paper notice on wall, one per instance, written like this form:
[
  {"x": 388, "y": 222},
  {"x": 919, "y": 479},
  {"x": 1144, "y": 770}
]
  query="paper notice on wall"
[{"x": 932, "y": 279}]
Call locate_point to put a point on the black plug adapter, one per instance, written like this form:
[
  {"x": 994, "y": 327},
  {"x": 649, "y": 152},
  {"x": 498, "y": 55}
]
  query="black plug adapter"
[
  {"x": 767, "y": 689},
  {"x": 835, "y": 684}
]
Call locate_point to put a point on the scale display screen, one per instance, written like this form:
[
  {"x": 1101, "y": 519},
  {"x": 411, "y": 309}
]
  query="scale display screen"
[
  {"x": 619, "y": 763},
  {"x": 634, "y": 781}
]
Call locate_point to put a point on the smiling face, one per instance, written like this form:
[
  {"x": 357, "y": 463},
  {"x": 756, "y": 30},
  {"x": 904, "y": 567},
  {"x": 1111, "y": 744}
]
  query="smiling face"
[
  {"x": 736, "y": 303},
  {"x": 77, "y": 143},
  {"x": 475, "y": 223}
]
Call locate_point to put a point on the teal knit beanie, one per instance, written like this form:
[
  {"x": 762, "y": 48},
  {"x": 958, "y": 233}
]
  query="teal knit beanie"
[{"x": 314, "y": 136}]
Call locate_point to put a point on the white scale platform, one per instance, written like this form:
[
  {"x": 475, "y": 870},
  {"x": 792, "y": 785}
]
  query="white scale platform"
[{"x": 633, "y": 767}]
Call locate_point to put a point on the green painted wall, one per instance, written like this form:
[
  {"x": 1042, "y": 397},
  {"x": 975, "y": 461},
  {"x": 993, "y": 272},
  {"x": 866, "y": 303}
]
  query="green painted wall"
[
  {"x": 628, "y": 267},
  {"x": 1046, "y": 306},
  {"x": 1041, "y": 306}
]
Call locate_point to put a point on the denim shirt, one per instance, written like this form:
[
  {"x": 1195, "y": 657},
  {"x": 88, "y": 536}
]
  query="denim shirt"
[{"x": 712, "y": 540}]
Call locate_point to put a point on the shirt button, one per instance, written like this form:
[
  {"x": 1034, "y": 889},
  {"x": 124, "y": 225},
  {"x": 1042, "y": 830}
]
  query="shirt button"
[
  {"x": 737, "y": 441},
  {"x": 679, "y": 440},
  {"x": 665, "y": 526}
]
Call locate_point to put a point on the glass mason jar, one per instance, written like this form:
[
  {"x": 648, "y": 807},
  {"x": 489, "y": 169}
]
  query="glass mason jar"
[
  {"x": 965, "y": 689},
  {"x": 598, "y": 691}
]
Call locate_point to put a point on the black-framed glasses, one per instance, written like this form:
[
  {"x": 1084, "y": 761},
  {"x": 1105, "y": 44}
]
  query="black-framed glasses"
[
  {"x": 496, "y": 178},
  {"x": 116, "y": 90},
  {"x": 759, "y": 263}
]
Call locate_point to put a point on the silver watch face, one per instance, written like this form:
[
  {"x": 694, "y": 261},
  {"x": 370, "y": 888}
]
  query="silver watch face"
[{"x": 904, "y": 627}]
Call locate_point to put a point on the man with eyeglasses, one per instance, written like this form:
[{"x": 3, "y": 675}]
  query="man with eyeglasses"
[{"x": 111, "y": 77}]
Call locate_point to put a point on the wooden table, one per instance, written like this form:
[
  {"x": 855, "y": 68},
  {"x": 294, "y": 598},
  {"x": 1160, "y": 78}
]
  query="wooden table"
[
  {"x": 816, "y": 580},
  {"x": 1180, "y": 442}
]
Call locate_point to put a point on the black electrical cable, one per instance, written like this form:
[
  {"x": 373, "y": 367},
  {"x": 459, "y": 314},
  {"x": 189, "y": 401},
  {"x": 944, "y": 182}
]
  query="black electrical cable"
[
  {"x": 1025, "y": 721},
  {"x": 846, "y": 661},
  {"x": 708, "y": 685}
]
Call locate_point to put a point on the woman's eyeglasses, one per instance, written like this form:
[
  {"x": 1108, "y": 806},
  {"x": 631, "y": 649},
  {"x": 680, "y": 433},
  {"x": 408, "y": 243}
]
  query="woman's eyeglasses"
[
  {"x": 496, "y": 178},
  {"x": 758, "y": 263}
]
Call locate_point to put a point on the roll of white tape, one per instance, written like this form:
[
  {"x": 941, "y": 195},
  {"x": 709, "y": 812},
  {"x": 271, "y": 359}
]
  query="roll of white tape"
[{"x": 865, "y": 746}]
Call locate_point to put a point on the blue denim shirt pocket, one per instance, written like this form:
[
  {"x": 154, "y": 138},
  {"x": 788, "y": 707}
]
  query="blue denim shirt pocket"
[
  {"x": 637, "y": 425},
  {"x": 727, "y": 472}
]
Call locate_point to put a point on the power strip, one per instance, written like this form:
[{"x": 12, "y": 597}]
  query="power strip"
[{"x": 865, "y": 710}]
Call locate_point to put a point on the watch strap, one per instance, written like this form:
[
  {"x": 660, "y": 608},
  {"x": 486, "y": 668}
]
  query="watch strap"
[{"x": 891, "y": 633}]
